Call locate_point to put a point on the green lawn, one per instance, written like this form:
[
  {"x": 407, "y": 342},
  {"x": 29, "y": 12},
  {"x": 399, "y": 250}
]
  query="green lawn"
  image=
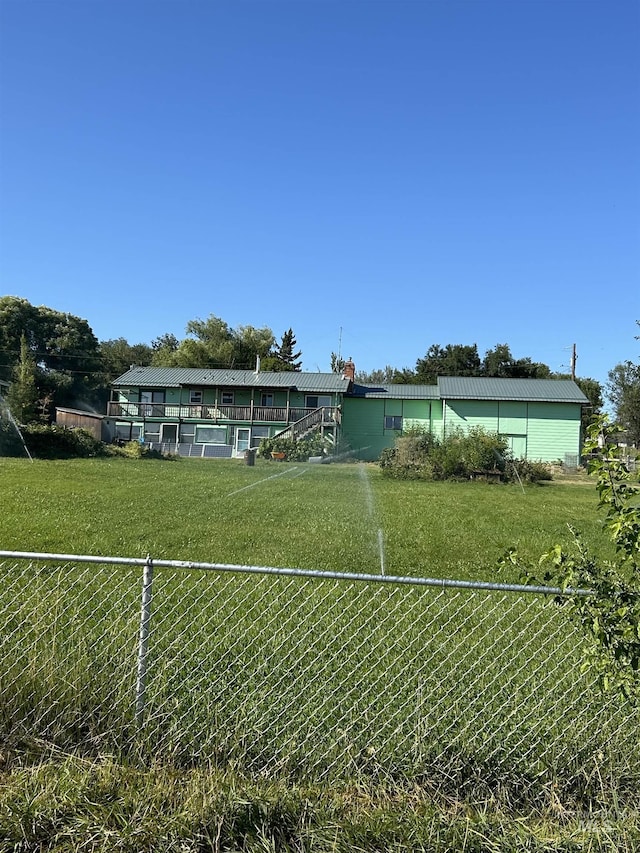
[
  {"x": 288, "y": 714},
  {"x": 292, "y": 515}
]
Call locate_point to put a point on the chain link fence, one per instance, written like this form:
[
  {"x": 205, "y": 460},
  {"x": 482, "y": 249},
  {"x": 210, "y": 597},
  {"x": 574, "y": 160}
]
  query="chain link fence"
[{"x": 305, "y": 674}]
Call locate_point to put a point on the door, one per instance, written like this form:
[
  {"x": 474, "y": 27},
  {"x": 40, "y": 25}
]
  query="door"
[
  {"x": 518, "y": 446},
  {"x": 243, "y": 439},
  {"x": 169, "y": 433}
]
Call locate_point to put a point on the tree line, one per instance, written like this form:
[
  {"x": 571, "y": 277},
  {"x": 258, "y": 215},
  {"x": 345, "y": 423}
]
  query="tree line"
[{"x": 49, "y": 358}]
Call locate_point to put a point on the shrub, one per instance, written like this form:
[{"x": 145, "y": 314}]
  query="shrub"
[
  {"x": 610, "y": 615},
  {"x": 10, "y": 441},
  {"x": 528, "y": 471},
  {"x": 421, "y": 455},
  {"x": 295, "y": 450},
  {"x": 55, "y": 442}
]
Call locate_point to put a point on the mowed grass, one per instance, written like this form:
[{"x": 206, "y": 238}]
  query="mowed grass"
[
  {"x": 327, "y": 517},
  {"x": 368, "y": 675}
]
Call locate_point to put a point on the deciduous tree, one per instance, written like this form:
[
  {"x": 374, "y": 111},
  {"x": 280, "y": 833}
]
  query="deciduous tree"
[
  {"x": 63, "y": 347},
  {"x": 452, "y": 360},
  {"x": 118, "y": 355},
  {"x": 623, "y": 390}
]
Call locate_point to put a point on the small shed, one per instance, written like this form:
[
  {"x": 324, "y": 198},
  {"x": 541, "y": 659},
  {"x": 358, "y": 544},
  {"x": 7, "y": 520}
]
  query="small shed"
[{"x": 100, "y": 426}]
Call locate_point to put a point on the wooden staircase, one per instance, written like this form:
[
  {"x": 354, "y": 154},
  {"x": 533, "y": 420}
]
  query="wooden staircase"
[{"x": 325, "y": 420}]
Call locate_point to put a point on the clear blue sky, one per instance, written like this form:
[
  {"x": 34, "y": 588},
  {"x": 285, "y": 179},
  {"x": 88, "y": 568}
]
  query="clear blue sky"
[{"x": 379, "y": 175}]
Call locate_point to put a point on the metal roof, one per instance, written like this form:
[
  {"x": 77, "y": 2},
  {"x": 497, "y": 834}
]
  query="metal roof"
[
  {"x": 529, "y": 390},
  {"x": 448, "y": 387},
  {"x": 399, "y": 392},
  {"x": 175, "y": 377}
]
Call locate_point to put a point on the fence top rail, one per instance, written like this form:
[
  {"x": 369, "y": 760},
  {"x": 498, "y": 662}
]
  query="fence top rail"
[{"x": 358, "y": 577}]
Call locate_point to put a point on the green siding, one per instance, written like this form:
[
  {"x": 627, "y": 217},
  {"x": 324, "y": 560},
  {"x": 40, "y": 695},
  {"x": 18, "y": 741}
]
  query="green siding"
[
  {"x": 544, "y": 431},
  {"x": 553, "y": 431},
  {"x": 363, "y": 427},
  {"x": 419, "y": 410},
  {"x": 512, "y": 418},
  {"x": 363, "y": 422},
  {"x": 471, "y": 413}
]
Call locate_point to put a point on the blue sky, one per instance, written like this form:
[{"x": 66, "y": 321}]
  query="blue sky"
[{"x": 379, "y": 175}]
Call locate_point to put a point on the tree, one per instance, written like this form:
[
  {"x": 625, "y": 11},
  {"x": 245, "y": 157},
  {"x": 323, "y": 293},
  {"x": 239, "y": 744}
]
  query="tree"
[
  {"x": 452, "y": 360},
  {"x": 213, "y": 343},
  {"x": 337, "y": 363},
  {"x": 386, "y": 376},
  {"x": 118, "y": 355},
  {"x": 250, "y": 343},
  {"x": 64, "y": 350},
  {"x": 500, "y": 363},
  {"x": 623, "y": 390},
  {"x": 163, "y": 350},
  {"x": 285, "y": 355},
  {"x": 17, "y": 317},
  {"x": 23, "y": 392}
]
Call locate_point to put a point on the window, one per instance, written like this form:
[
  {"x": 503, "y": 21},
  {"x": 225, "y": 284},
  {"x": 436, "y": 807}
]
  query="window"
[
  {"x": 258, "y": 433},
  {"x": 195, "y": 397},
  {"x": 211, "y": 435},
  {"x": 152, "y": 397},
  {"x": 227, "y": 398},
  {"x": 266, "y": 399},
  {"x": 393, "y": 422},
  {"x": 128, "y": 432},
  {"x": 315, "y": 401}
]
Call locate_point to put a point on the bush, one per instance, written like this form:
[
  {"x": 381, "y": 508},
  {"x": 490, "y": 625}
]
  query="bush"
[
  {"x": 10, "y": 441},
  {"x": 136, "y": 450},
  {"x": 459, "y": 455},
  {"x": 55, "y": 442},
  {"x": 295, "y": 450},
  {"x": 528, "y": 471}
]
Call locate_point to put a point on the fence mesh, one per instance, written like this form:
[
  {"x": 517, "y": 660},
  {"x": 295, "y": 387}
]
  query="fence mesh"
[{"x": 311, "y": 677}]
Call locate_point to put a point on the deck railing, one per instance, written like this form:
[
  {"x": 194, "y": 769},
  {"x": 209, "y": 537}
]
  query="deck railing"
[{"x": 249, "y": 413}]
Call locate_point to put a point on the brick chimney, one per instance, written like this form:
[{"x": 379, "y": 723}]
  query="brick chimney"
[{"x": 349, "y": 371}]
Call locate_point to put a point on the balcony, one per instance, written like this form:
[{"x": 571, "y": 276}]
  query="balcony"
[{"x": 217, "y": 414}]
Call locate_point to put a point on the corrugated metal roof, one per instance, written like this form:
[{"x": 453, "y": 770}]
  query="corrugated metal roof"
[
  {"x": 400, "y": 392},
  {"x": 174, "y": 377},
  {"x": 530, "y": 390},
  {"x": 448, "y": 387}
]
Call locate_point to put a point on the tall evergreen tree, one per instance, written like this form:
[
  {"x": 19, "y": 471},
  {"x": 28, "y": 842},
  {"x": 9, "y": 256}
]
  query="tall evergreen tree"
[
  {"x": 22, "y": 397},
  {"x": 285, "y": 351}
]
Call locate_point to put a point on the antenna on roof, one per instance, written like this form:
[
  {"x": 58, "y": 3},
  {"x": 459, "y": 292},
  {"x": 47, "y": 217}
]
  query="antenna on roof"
[{"x": 340, "y": 343}]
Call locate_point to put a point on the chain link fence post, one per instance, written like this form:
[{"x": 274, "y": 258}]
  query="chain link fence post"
[{"x": 143, "y": 640}]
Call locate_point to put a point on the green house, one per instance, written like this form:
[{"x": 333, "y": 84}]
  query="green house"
[
  {"x": 222, "y": 413},
  {"x": 540, "y": 417}
]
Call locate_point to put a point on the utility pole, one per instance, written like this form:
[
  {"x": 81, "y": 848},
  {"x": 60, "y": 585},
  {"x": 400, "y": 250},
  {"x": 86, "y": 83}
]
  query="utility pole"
[{"x": 573, "y": 363}]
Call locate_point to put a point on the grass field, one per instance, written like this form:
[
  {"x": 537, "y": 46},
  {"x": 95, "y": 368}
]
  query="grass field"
[
  {"x": 298, "y": 716},
  {"x": 308, "y": 516}
]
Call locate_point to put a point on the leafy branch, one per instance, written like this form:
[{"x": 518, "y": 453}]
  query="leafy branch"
[{"x": 610, "y": 615}]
